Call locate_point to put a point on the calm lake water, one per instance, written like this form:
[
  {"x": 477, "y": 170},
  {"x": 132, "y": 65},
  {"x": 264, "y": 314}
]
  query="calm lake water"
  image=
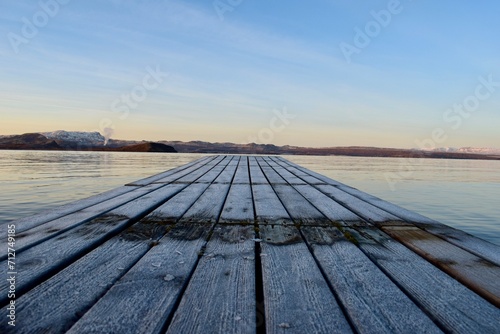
[{"x": 461, "y": 193}]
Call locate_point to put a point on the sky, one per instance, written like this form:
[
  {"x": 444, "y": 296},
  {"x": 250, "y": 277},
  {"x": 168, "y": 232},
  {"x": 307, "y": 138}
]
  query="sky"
[{"x": 318, "y": 73}]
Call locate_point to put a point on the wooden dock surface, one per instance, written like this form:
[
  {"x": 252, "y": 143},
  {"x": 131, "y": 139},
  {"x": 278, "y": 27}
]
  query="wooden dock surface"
[{"x": 246, "y": 244}]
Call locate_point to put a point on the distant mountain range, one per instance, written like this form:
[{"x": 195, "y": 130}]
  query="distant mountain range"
[
  {"x": 94, "y": 141},
  {"x": 76, "y": 141}
]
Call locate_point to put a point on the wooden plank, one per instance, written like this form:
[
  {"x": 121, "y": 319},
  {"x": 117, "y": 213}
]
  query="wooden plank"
[
  {"x": 206, "y": 210},
  {"x": 143, "y": 299},
  {"x": 242, "y": 175},
  {"x": 202, "y": 175},
  {"x": 56, "y": 304},
  {"x": 297, "y": 172},
  {"x": 238, "y": 207},
  {"x": 367, "y": 211},
  {"x": 271, "y": 175},
  {"x": 363, "y": 209},
  {"x": 374, "y": 303},
  {"x": 192, "y": 173},
  {"x": 477, "y": 246},
  {"x": 228, "y": 174},
  {"x": 268, "y": 207},
  {"x": 256, "y": 175},
  {"x": 219, "y": 161},
  {"x": 45, "y": 259},
  {"x": 299, "y": 209},
  {"x": 297, "y": 297},
  {"x": 480, "y": 247},
  {"x": 481, "y": 276},
  {"x": 220, "y": 297},
  {"x": 178, "y": 205},
  {"x": 284, "y": 173},
  {"x": 320, "y": 177},
  {"x": 151, "y": 179},
  {"x": 326, "y": 205},
  {"x": 208, "y": 207},
  {"x": 452, "y": 305}
]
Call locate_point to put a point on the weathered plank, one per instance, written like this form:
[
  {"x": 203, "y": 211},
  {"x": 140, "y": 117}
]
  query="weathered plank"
[
  {"x": 268, "y": 207},
  {"x": 238, "y": 207},
  {"x": 228, "y": 174},
  {"x": 391, "y": 208},
  {"x": 301, "y": 302},
  {"x": 369, "y": 212},
  {"x": 206, "y": 174},
  {"x": 297, "y": 297},
  {"x": 479, "y": 275},
  {"x": 480, "y": 247},
  {"x": 209, "y": 205},
  {"x": 308, "y": 178},
  {"x": 296, "y": 205},
  {"x": 256, "y": 175},
  {"x": 142, "y": 300},
  {"x": 326, "y": 205},
  {"x": 56, "y": 304},
  {"x": 242, "y": 175},
  {"x": 452, "y": 305},
  {"x": 153, "y": 178},
  {"x": 190, "y": 174},
  {"x": 318, "y": 176},
  {"x": 47, "y": 258},
  {"x": 220, "y": 297},
  {"x": 284, "y": 173},
  {"x": 374, "y": 303},
  {"x": 270, "y": 173},
  {"x": 459, "y": 238}
]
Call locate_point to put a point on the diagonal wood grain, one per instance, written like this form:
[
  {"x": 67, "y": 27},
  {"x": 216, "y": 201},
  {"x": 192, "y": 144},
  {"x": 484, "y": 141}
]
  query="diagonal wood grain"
[
  {"x": 374, "y": 303},
  {"x": 477, "y": 274},
  {"x": 453, "y": 306}
]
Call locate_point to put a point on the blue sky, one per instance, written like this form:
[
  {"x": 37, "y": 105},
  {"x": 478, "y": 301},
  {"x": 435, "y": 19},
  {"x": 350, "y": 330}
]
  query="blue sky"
[{"x": 235, "y": 65}]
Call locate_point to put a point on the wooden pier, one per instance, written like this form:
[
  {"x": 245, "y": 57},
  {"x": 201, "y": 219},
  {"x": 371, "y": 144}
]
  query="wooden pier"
[{"x": 237, "y": 244}]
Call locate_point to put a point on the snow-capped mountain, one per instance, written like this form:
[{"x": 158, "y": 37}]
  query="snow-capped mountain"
[
  {"x": 76, "y": 137},
  {"x": 473, "y": 150}
]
